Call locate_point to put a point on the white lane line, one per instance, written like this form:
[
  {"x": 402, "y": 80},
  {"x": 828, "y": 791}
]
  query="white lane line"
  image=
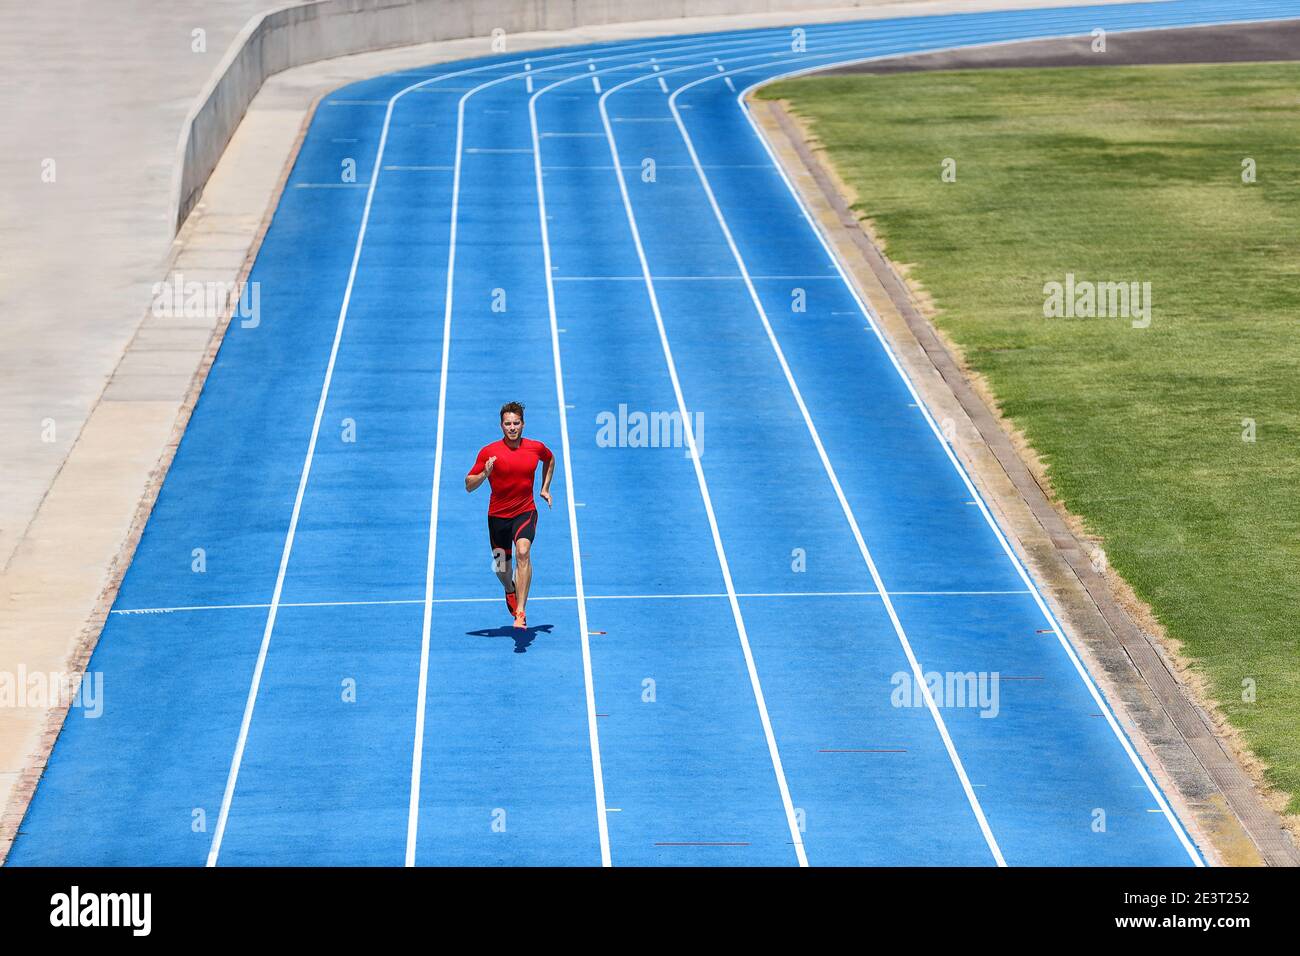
[
  {"x": 554, "y": 597},
  {"x": 422, "y": 691},
  {"x": 662, "y": 85},
  {"x": 917, "y": 672},
  {"x": 593, "y": 734},
  {"x": 242, "y": 607},
  {"x": 773, "y": 751},
  {"x": 660, "y": 166},
  {"x": 691, "y": 278}
]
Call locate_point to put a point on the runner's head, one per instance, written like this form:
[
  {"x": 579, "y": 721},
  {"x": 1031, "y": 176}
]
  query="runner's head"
[{"x": 512, "y": 421}]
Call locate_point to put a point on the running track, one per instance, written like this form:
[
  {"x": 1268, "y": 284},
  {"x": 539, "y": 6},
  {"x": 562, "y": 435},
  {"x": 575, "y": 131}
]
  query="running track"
[{"x": 360, "y": 568}]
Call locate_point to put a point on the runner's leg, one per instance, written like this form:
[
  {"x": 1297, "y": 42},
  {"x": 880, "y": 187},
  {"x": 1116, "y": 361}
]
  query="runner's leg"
[
  {"x": 523, "y": 573},
  {"x": 523, "y": 559},
  {"x": 500, "y": 535},
  {"x": 501, "y": 565}
]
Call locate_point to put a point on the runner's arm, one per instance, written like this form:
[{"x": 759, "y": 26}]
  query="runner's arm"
[
  {"x": 547, "y": 475},
  {"x": 472, "y": 480}
]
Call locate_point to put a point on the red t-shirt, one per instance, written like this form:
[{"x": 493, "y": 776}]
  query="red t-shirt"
[{"x": 512, "y": 475}]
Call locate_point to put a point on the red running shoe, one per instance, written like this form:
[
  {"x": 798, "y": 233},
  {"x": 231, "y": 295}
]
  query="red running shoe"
[
  {"x": 510, "y": 601},
  {"x": 520, "y": 621}
]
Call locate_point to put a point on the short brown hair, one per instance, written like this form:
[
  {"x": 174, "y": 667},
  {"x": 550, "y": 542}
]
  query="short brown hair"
[{"x": 516, "y": 407}]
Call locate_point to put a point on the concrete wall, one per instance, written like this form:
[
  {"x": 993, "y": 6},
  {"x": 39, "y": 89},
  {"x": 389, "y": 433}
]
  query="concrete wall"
[{"x": 290, "y": 36}]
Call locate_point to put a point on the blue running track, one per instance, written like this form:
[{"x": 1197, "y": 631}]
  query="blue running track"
[{"x": 724, "y": 625}]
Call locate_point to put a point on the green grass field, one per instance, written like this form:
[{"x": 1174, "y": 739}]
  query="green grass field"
[{"x": 1122, "y": 175}]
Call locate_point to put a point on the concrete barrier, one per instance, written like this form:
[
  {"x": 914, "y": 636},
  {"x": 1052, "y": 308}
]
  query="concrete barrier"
[{"x": 290, "y": 36}]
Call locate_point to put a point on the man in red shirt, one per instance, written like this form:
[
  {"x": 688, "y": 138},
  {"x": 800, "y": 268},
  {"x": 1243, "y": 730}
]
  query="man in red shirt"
[{"x": 509, "y": 466}]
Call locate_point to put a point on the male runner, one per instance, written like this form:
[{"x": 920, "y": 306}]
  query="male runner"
[{"x": 509, "y": 465}]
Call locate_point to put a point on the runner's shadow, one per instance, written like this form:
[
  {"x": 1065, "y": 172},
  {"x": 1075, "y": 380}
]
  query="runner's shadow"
[{"x": 523, "y": 636}]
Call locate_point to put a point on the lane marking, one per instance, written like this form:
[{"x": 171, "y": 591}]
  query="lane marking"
[
  {"x": 422, "y": 690},
  {"x": 558, "y": 597},
  {"x": 689, "y": 278},
  {"x": 661, "y": 166},
  {"x": 593, "y": 734}
]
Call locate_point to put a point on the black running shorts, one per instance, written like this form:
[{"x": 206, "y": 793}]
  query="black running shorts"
[{"x": 504, "y": 532}]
